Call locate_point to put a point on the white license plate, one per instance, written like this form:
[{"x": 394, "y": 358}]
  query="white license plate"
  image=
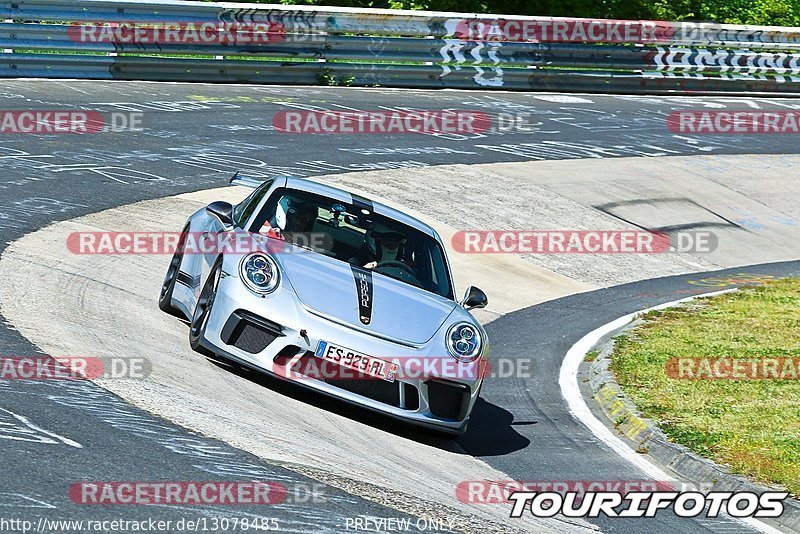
[{"x": 363, "y": 363}]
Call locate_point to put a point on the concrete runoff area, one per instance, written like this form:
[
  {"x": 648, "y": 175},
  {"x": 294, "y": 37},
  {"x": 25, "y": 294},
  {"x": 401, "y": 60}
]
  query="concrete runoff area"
[{"x": 105, "y": 305}]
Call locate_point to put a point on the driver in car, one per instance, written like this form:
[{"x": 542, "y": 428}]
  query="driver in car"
[
  {"x": 386, "y": 246},
  {"x": 292, "y": 217}
]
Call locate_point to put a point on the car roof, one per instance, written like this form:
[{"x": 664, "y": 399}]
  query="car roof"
[{"x": 381, "y": 209}]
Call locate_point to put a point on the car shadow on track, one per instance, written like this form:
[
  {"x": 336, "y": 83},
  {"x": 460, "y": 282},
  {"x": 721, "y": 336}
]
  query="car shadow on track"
[{"x": 490, "y": 432}]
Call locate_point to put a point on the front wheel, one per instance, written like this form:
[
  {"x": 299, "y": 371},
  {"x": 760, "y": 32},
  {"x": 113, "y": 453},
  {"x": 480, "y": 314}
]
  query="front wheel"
[{"x": 202, "y": 311}]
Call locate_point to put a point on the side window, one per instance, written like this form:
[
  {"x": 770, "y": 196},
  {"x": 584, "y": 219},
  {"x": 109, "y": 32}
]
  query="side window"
[{"x": 245, "y": 209}]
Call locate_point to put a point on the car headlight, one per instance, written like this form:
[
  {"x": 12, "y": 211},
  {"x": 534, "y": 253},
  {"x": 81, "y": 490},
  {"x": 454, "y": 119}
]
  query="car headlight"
[
  {"x": 464, "y": 342},
  {"x": 259, "y": 273}
]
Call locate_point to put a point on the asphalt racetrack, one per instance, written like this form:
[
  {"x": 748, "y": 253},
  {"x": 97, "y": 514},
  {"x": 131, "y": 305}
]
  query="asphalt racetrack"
[{"x": 193, "y": 138}]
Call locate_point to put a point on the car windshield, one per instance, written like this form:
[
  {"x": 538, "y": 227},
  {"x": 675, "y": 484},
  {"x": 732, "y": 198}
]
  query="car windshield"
[{"x": 356, "y": 236}]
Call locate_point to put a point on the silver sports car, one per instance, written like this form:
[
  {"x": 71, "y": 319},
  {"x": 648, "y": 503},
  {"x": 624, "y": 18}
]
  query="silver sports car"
[{"x": 334, "y": 292}]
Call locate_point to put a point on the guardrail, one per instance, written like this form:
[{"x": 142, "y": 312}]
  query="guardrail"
[{"x": 258, "y": 43}]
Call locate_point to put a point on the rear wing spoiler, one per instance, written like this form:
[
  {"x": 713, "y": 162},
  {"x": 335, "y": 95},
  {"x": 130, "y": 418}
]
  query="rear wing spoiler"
[{"x": 246, "y": 181}]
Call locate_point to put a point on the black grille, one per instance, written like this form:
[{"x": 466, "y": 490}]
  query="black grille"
[
  {"x": 249, "y": 332},
  {"x": 448, "y": 400},
  {"x": 412, "y": 397},
  {"x": 364, "y": 385},
  {"x": 251, "y": 338}
]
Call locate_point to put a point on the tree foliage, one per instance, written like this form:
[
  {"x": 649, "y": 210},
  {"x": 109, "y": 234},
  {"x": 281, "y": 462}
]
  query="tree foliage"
[{"x": 763, "y": 12}]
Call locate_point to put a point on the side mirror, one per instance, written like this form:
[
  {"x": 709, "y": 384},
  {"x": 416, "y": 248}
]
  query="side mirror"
[
  {"x": 474, "y": 298},
  {"x": 222, "y": 211}
]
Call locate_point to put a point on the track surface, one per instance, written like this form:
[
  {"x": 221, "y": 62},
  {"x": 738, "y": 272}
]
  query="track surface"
[
  {"x": 194, "y": 137},
  {"x": 538, "y": 439}
]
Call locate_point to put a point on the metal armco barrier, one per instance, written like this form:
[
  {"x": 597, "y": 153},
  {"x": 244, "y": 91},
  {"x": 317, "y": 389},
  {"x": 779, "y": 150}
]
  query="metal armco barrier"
[{"x": 272, "y": 44}]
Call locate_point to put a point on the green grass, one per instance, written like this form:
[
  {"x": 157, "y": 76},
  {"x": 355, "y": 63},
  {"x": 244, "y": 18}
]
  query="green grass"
[{"x": 753, "y": 426}]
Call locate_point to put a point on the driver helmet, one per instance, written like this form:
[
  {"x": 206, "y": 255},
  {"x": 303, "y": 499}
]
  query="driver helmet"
[
  {"x": 385, "y": 244},
  {"x": 294, "y": 215}
]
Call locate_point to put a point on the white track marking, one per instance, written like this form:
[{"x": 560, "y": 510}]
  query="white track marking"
[
  {"x": 27, "y": 423},
  {"x": 570, "y": 390},
  {"x": 29, "y": 502},
  {"x": 563, "y": 99}
]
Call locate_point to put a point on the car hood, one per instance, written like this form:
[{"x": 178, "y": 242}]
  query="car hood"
[{"x": 339, "y": 291}]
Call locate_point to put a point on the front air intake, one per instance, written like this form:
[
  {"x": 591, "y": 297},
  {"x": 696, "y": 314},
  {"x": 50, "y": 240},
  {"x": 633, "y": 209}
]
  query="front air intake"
[
  {"x": 249, "y": 332},
  {"x": 448, "y": 400}
]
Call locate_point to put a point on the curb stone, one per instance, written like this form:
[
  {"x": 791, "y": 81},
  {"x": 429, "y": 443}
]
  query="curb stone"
[{"x": 644, "y": 436}]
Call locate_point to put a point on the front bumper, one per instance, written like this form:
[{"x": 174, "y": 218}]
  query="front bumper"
[{"x": 264, "y": 333}]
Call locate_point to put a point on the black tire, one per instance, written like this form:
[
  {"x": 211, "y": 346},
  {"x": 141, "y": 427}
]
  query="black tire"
[
  {"x": 165, "y": 298},
  {"x": 202, "y": 310}
]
